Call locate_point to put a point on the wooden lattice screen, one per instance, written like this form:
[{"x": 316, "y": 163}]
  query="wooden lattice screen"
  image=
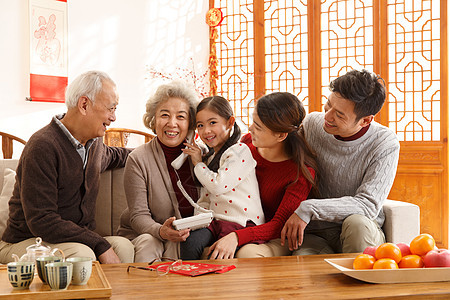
[
  {"x": 414, "y": 66},
  {"x": 235, "y": 51},
  {"x": 299, "y": 46}
]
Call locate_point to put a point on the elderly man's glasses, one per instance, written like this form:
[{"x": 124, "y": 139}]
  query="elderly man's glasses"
[
  {"x": 162, "y": 269},
  {"x": 111, "y": 110}
]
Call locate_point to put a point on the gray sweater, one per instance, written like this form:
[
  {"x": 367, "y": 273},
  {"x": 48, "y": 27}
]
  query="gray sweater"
[{"x": 355, "y": 177}]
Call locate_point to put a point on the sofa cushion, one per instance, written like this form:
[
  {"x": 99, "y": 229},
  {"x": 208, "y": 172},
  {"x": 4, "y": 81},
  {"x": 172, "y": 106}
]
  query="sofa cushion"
[
  {"x": 119, "y": 200},
  {"x": 9, "y": 178},
  {"x": 111, "y": 202},
  {"x": 7, "y": 163},
  {"x": 402, "y": 222},
  {"x": 103, "y": 205}
]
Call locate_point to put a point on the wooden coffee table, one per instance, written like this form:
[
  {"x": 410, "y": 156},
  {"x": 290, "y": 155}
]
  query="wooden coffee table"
[{"x": 305, "y": 277}]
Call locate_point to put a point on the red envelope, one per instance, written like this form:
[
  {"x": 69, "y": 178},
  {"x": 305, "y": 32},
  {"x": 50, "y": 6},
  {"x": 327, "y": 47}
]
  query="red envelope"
[{"x": 192, "y": 269}]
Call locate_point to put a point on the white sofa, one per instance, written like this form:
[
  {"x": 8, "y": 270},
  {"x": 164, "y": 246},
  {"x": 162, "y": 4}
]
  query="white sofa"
[{"x": 402, "y": 219}]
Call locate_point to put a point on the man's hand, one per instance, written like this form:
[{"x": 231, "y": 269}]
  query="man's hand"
[
  {"x": 109, "y": 257},
  {"x": 293, "y": 229},
  {"x": 167, "y": 232},
  {"x": 225, "y": 247}
]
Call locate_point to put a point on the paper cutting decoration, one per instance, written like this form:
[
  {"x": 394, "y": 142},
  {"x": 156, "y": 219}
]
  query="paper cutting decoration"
[
  {"x": 214, "y": 17},
  {"x": 48, "y": 50}
]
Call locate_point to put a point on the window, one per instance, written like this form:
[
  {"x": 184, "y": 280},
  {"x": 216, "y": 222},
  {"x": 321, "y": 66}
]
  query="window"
[{"x": 299, "y": 46}]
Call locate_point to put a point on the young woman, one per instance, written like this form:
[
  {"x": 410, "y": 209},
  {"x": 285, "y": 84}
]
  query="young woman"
[
  {"x": 227, "y": 174},
  {"x": 285, "y": 171}
]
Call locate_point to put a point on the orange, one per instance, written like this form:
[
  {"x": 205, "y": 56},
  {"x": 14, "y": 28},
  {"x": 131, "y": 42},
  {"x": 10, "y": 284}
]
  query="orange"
[
  {"x": 385, "y": 263},
  {"x": 363, "y": 261},
  {"x": 389, "y": 250},
  {"x": 421, "y": 244},
  {"x": 411, "y": 261}
]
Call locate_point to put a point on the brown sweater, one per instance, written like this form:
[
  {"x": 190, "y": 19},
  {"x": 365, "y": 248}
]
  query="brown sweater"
[{"x": 54, "y": 197}]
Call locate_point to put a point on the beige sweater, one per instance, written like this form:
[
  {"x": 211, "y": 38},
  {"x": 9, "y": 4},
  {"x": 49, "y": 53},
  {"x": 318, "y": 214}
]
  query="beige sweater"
[{"x": 149, "y": 191}]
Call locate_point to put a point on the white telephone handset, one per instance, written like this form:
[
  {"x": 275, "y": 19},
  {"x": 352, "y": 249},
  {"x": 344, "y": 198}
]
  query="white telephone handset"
[
  {"x": 198, "y": 221},
  {"x": 179, "y": 161}
]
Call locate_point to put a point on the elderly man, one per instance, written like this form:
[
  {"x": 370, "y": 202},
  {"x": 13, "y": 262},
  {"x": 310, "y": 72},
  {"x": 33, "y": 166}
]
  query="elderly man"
[
  {"x": 357, "y": 161},
  {"x": 58, "y": 176}
]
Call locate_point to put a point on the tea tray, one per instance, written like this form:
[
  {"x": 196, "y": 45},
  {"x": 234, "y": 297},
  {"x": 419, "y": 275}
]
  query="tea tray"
[{"x": 97, "y": 287}]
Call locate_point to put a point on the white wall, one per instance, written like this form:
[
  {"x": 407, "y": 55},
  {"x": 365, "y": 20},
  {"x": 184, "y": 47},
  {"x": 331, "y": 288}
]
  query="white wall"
[{"x": 119, "y": 37}]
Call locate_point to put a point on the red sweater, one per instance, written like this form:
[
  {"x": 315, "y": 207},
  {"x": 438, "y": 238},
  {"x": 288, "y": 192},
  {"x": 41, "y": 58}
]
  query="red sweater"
[
  {"x": 186, "y": 177},
  {"x": 279, "y": 198}
]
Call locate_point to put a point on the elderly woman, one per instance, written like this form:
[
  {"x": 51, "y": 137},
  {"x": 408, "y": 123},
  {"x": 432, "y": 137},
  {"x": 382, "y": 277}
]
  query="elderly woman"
[{"x": 154, "y": 199}]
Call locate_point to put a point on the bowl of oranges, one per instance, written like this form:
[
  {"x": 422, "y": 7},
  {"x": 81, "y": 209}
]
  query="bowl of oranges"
[{"x": 420, "y": 261}]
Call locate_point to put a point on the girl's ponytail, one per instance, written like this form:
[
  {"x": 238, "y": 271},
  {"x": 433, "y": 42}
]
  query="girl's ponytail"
[{"x": 234, "y": 138}]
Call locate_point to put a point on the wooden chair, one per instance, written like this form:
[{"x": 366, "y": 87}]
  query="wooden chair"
[
  {"x": 119, "y": 137},
  {"x": 7, "y": 144}
]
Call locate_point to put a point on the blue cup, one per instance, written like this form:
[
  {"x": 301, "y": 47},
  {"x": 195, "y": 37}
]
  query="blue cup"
[
  {"x": 59, "y": 275},
  {"x": 20, "y": 274},
  {"x": 40, "y": 265}
]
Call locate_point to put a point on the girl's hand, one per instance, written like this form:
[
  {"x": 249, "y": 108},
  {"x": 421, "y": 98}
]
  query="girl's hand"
[
  {"x": 194, "y": 151},
  {"x": 167, "y": 232},
  {"x": 225, "y": 247}
]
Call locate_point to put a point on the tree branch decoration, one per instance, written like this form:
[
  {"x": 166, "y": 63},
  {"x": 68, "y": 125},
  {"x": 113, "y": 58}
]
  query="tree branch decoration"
[{"x": 199, "y": 82}]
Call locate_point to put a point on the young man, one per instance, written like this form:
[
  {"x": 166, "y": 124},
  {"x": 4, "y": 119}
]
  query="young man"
[
  {"x": 58, "y": 177},
  {"x": 357, "y": 161}
]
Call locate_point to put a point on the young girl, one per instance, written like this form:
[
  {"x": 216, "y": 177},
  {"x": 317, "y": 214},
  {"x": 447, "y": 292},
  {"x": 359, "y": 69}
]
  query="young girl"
[
  {"x": 285, "y": 171},
  {"x": 227, "y": 174}
]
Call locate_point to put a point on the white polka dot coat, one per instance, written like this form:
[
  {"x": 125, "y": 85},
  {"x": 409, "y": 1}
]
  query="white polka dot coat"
[{"x": 232, "y": 192}]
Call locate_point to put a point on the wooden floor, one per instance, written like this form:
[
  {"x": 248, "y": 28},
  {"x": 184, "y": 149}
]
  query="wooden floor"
[{"x": 307, "y": 277}]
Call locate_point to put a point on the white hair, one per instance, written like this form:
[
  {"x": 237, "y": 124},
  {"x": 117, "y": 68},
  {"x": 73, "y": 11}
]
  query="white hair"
[
  {"x": 174, "y": 89},
  {"x": 88, "y": 84}
]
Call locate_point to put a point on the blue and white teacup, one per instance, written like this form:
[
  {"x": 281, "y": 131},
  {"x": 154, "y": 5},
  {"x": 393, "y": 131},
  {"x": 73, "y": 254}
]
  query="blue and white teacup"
[
  {"x": 59, "y": 275},
  {"x": 21, "y": 274},
  {"x": 40, "y": 265}
]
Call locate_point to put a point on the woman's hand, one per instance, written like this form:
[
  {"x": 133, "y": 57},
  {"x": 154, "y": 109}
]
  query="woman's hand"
[
  {"x": 167, "y": 232},
  {"x": 225, "y": 247},
  {"x": 194, "y": 151}
]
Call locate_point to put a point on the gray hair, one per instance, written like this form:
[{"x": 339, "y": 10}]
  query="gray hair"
[
  {"x": 88, "y": 84},
  {"x": 174, "y": 89}
]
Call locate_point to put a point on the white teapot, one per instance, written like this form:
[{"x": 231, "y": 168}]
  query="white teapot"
[{"x": 38, "y": 250}]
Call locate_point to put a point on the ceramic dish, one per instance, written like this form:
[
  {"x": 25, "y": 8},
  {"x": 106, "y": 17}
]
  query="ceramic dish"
[{"x": 345, "y": 265}]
